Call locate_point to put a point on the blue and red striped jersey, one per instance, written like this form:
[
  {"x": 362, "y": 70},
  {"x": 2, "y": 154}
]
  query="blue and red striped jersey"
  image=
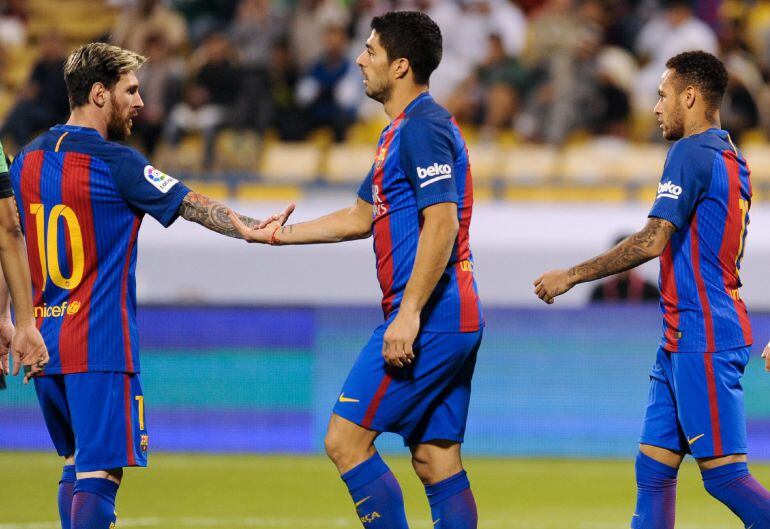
[
  {"x": 705, "y": 192},
  {"x": 81, "y": 201},
  {"x": 422, "y": 160}
]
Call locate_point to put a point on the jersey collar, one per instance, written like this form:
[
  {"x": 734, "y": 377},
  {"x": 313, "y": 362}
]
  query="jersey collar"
[
  {"x": 416, "y": 101},
  {"x": 72, "y": 128}
]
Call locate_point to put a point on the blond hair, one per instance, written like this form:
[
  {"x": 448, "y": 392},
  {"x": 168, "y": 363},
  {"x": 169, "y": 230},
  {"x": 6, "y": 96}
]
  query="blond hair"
[{"x": 97, "y": 62}]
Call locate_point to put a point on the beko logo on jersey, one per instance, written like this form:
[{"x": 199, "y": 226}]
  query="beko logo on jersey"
[
  {"x": 436, "y": 171},
  {"x": 669, "y": 190},
  {"x": 161, "y": 181}
]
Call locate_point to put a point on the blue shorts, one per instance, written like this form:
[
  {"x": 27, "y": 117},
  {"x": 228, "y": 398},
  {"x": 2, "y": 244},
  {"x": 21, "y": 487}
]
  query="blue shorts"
[
  {"x": 695, "y": 403},
  {"x": 425, "y": 401},
  {"x": 97, "y": 416}
]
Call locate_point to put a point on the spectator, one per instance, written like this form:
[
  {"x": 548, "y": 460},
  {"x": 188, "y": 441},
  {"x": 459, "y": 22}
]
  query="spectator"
[
  {"x": 308, "y": 25},
  {"x": 267, "y": 98},
  {"x": 673, "y": 31},
  {"x": 489, "y": 97},
  {"x": 208, "y": 99},
  {"x": 562, "y": 49},
  {"x": 325, "y": 90},
  {"x": 467, "y": 26},
  {"x": 740, "y": 111},
  {"x": 256, "y": 26},
  {"x": 205, "y": 16},
  {"x": 143, "y": 17},
  {"x": 43, "y": 101},
  {"x": 161, "y": 85},
  {"x": 13, "y": 23}
]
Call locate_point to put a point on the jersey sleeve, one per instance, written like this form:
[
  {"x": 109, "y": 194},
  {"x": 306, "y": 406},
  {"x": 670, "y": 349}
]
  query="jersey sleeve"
[
  {"x": 147, "y": 189},
  {"x": 365, "y": 189},
  {"x": 6, "y": 190},
  {"x": 685, "y": 181},
  {"x": 427, "y": 157}
]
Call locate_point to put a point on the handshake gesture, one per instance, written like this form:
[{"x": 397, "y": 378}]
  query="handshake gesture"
[
  {"x": 27, "y": 347},
  {"x": 266, "y": 232}
]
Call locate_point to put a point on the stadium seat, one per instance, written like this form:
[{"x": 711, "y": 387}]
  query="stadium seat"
[
  {"x": 486, "y": 162},
  {"x": 528, "y": 163},
  {"x": 237, "y": 150},
  {"x": 348, "y": 163},
  {"x": 642, "y": 163},
  {"x": 758, "y": 157},
  {"x": 589, "y": 163},
  {"x": 290, "y": 163}
]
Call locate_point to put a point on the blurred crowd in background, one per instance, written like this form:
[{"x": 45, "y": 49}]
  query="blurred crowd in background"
[{"x": 534, "y": 71}]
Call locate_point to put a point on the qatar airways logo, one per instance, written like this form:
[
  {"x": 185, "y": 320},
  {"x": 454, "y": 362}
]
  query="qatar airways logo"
[
  {"x": 435, "y": 172},
  {"x": 669, "y": 190},
  {"x": 378, "y": 203}
]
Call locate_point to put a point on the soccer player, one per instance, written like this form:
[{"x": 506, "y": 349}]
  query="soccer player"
[
  {"x": 413, "y": 377},
  {"x": 26, "y": 341},
  {"x": 697, "y": 226},
  {"x": 82, "y": 198}
]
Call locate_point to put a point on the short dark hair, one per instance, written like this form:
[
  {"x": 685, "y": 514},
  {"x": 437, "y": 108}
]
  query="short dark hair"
[
  {"x": 97, "y": 62},
  {"x": 411, "y": 35},
  {"x": 703, "y": 71}
]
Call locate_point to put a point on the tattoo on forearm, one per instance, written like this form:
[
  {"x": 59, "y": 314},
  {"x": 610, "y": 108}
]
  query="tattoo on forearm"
[
  {"x": 212, "y": 214},
  {"x": 287, "y": 229},
  {"x": 628, "y": 254}
]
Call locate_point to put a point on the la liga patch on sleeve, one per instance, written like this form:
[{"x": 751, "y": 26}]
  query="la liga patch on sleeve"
[{"x": 160, "y": 180}]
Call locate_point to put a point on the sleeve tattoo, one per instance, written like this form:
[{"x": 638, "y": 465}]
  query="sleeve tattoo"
[
  {"x": 212, "y": 215},
  {"x": 629, "y": 253}
]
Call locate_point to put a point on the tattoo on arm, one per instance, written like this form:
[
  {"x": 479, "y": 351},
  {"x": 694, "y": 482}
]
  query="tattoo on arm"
[
  {"x": 629, "y": 253},
  {"x": 212, "y": 214}
]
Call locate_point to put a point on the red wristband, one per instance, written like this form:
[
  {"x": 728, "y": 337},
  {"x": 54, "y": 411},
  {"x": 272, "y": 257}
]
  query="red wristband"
[{"x": 273, "y": 239}]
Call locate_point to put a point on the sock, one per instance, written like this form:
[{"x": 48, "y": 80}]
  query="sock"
[
  {"x": 93, "y": 504},
  {"x": 66, "y": 484},
  {"x": 376, "y": 494},
  {"x": 452, "y": 504},
  {"x": 656, "y": 494},
  {"x": 734, "y": 486}
]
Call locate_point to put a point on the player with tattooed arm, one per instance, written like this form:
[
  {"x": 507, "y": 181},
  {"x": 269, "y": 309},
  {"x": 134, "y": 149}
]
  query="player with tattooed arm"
[
  {"x": 82, "y": 198},
  {"x": 697, "y": 226}
]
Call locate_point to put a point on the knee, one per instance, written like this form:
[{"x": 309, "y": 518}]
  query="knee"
[
  {"x": 333, "y": 445},
  {"x": 432, "y": 470},
  {"x": 423, "y": 469},
  {"x": 343, "y": 451}
]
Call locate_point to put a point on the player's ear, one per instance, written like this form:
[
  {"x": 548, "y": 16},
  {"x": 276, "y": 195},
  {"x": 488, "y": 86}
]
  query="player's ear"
[
  {"x": 689, "y": 95},
  {"x": 400, "y": 68},
  {"x": 98, "y": 94}
]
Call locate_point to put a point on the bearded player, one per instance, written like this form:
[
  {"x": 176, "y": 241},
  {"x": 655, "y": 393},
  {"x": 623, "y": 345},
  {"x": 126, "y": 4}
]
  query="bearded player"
[
  {"x": 413, "y": 377},
  {"x": 697, "y": 226},
  {"x": 82, "y": 198}
]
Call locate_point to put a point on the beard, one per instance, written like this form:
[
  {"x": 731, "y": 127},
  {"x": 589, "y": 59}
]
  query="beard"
[
  {"x": 119, "y": 127},
  {"x": 381, "y": 94},
  {"x": 675, "y": 130}
]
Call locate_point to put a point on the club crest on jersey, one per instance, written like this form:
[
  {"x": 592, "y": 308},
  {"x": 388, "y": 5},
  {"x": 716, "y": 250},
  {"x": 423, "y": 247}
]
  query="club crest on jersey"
[
  {"x": 161, "y": 181},
  {"x": 669, "y": 190},
  {"x": 144, "y": 442},
  {"x": 380, "y": 159}
]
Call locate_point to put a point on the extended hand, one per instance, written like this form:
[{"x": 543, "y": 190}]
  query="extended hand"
[
  {"x": 29, "y": 350},
  {"x": 399, "y": 338},
  {"x": 766, "y": 356},
  {"x": 264, "y": 232},
  {"x": 552, "y": 284},
  {"x": 6, "y": 336}
]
